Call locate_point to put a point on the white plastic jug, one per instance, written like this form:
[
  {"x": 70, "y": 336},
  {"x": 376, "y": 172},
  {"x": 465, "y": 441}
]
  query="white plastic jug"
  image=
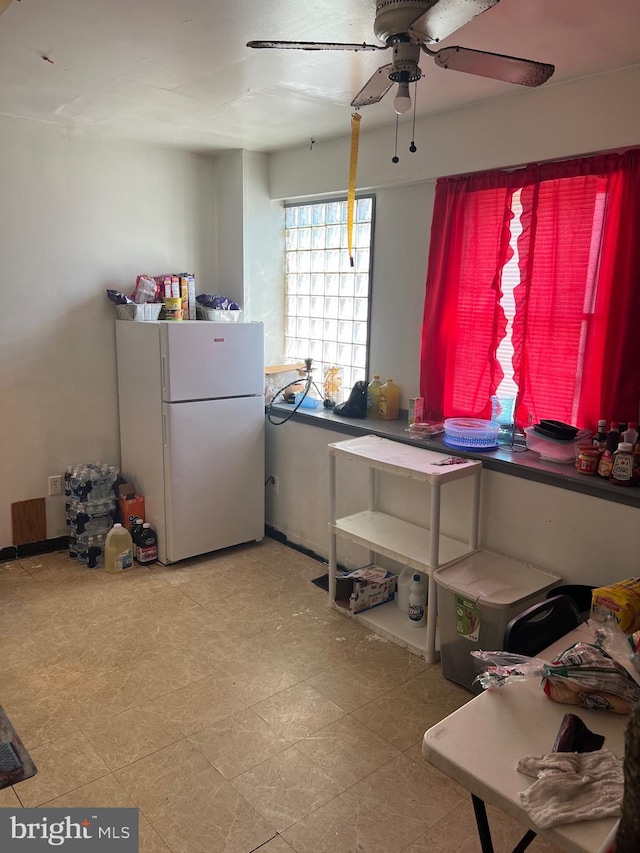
[
  {"x": 417, "y": 601},
  {"x": 404, "y": 582},
  {"x": 118, "y": 550}
]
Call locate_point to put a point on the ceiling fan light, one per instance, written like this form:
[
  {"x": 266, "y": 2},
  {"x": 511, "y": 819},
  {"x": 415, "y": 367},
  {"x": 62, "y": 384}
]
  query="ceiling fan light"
[{"x": 402, "y": 100}]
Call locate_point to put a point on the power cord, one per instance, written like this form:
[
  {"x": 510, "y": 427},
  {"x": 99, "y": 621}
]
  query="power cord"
[{"x": 308, "y": 383}]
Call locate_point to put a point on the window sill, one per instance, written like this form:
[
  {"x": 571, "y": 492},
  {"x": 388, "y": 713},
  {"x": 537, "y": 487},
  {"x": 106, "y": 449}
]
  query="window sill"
[{"x": 526, "y": 464}]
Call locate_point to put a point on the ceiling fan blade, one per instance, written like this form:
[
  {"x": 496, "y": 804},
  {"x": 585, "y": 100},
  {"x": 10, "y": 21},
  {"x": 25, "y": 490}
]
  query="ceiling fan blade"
[
  {"x": 511, "y": 69},
  {"x": 4, "y": 4},
  {"x": 375, "y": 88},
  {"x": 445, "y": 17},
  {"x": 310, "y": 45}
]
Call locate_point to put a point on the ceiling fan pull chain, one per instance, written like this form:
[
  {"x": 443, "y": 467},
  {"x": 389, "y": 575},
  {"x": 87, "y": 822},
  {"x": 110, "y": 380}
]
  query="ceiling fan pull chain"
[
  {"x": 395, "y": 158},
  {"x": 412, "y": 147}
]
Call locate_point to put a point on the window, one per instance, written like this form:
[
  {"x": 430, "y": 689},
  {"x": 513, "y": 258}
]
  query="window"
[
  {"x": 507, "y": 390},
  {"x": 327, "y": 300},
  {"x": 532, "y": 288}
]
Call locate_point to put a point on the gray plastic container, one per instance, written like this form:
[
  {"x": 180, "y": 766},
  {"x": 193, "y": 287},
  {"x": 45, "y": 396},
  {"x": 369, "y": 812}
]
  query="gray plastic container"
[{"x": 477, "y": 598}]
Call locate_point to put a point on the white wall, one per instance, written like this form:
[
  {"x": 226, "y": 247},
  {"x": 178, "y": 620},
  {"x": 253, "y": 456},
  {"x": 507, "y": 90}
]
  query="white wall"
[
  {"x": 557, "y": 120},
  {"x": 263, "y": 254},
  {"x": 582, "y": 538},
  {"x": 77, "y": 216},
  {"x": 228, "y": 278},
  {"x": 403, "y": 223},
  {"x": 250, "y": 244}
]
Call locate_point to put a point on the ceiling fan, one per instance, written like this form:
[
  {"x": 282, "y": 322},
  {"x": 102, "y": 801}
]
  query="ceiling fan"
[
  {"x": 407, "y": 27},
  {"x": 4, "y": 4}
]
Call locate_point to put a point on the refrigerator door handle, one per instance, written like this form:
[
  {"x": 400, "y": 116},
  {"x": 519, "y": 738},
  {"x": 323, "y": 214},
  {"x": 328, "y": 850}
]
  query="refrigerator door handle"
[
  {"x": 164, "y": 429},
  {"x": 162, "y": 376}
]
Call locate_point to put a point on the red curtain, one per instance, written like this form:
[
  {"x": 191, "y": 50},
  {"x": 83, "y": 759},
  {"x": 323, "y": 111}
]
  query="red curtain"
[
  {"x": 612, "y": 362},
  {"x": 576, "y": 350},
  {"x": 463, "y": 319}
]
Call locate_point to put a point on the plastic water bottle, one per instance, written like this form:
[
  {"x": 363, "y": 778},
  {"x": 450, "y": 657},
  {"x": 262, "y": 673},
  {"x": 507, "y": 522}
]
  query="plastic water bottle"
[
  {"x": 95, "y": 552},
  {"x": 90, "y": 482},
  {"x": 417, "y": 602},
  {"x": 68, "y": 474},
  {"x": 81, "y": 549},
  {"x": 118, "y": 550}
]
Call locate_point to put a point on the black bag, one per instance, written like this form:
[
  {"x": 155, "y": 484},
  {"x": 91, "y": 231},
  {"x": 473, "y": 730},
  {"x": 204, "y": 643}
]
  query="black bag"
[{"x": 356, "y": 405}]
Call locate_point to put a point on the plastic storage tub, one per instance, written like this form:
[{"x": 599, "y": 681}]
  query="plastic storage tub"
[
  {"x": 553, "y": 450},
  {"x": 477, "y": 598},
  {"x": 471, "y": 433}
]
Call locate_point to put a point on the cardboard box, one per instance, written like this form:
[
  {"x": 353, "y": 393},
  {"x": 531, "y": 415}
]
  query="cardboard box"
[
  {"x": 188, "y": 284},
  {"x": 416, "y": 410},
  {"x": 365, "y": 588},
  {"x": 184, "y": 297},
  {"x": 130, "y": 504},
  {"x": 126, "y": 490}
]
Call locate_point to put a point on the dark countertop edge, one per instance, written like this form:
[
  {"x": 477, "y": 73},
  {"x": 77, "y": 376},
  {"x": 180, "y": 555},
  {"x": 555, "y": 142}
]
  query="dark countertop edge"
[{"x": 526, "y": 465}]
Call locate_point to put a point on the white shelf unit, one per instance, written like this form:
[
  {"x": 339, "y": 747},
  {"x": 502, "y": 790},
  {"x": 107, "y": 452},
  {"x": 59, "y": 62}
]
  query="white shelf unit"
[{"x": 422, "y": 548}]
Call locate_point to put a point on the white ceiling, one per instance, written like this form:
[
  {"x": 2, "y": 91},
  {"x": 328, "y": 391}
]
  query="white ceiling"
[{"x": 177, "y": 72}]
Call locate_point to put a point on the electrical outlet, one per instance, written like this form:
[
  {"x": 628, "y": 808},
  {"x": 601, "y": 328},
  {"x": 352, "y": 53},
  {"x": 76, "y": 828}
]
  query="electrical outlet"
[{"x": 55, "y": 485}]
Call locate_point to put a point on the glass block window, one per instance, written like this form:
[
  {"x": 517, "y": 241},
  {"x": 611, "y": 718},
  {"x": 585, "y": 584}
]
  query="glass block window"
[{"x": 327, "y": 300}]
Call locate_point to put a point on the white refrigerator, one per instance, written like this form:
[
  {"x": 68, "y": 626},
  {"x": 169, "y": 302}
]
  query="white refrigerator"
[{"x": 191, "y": 396}]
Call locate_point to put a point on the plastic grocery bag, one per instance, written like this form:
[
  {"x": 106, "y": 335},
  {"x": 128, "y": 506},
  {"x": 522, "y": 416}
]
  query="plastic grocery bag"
[
  {"x": 584, "y": 674},
  {"x": 147, "y": 290}
]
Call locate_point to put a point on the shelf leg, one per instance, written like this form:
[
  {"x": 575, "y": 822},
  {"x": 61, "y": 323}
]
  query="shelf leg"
[
  {"x": 372, "y": 503},
  {"x": 332, "y": 567},
  {"x": 434, "y": 555},
  {"x": 332, "y": 537},
  {"x": 431, "y": 656},
  {"x": 434, "y": 551},
  {"x": 475, "y": 512}
]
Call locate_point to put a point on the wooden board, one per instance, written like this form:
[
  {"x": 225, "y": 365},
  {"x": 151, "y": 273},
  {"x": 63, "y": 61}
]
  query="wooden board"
[
  {"x": 29, "y": 521},
  {"x": 283, "y": 368}
]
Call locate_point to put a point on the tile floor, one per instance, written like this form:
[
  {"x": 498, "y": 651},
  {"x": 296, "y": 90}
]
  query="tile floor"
[{"x": 227, "y": 701}]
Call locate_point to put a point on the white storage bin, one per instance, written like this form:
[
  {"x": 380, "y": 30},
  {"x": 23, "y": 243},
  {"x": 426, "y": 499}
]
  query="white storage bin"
[
  {"x": 477, "y": 598},
  {"x": 218, "y": 315},
  {"x": 143, "y": 311}
]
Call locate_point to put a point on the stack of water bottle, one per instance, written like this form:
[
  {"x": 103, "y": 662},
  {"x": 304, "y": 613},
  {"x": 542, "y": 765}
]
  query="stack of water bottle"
[{"x": 91, "y": 510}]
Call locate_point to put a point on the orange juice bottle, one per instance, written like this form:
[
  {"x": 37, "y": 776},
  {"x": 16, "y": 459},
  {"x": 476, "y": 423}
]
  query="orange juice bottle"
[{"x": 389, "y": 401}]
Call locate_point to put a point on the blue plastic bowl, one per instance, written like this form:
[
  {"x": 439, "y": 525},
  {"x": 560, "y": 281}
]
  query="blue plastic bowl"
[{"x": 471, "y": 433}]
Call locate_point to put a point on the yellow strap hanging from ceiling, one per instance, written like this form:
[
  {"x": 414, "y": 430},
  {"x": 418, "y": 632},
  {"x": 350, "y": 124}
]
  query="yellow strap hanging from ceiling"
[{"x": 353, "y": 169}]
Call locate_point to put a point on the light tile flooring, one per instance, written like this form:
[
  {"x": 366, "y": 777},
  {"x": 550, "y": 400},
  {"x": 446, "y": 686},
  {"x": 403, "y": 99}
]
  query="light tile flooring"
[{"x": 228, "y": 702}]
